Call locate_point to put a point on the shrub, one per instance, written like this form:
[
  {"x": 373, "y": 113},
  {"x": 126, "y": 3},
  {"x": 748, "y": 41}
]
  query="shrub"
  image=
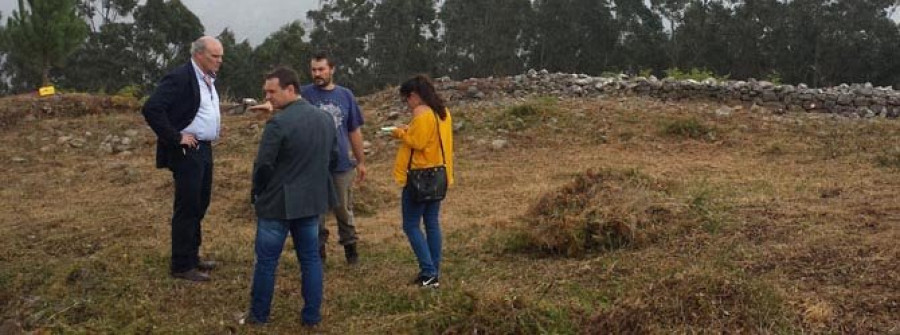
[
  {"x": 523, "y": 116},
  {"x": 130, "y": 91},
  {"x": 693, "y": 74},
  {"x": 689, "y": 128},
  {"x": 774, "y": 77}
]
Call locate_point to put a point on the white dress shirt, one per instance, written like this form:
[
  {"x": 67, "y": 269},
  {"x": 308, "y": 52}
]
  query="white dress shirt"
[{"x": 206, "y": 125}]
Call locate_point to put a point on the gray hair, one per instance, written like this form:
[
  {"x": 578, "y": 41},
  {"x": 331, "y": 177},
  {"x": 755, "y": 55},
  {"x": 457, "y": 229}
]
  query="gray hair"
[{"x": 200, "y": 44}]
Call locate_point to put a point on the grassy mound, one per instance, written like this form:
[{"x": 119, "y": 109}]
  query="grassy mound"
[
  {"x": 700, "y": 301},
  {"x": 599, "y": 211}
]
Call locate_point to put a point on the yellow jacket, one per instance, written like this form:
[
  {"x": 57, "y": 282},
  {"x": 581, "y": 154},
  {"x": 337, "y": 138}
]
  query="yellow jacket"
[{"x": 421, "y": 137}]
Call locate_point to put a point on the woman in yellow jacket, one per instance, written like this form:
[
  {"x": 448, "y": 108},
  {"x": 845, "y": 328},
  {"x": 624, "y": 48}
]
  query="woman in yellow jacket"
[{"x": 420, "y": 139}]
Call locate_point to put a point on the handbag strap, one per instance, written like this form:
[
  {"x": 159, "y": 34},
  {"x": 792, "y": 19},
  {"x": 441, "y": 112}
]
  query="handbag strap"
[{"x": 437, "y": 127}]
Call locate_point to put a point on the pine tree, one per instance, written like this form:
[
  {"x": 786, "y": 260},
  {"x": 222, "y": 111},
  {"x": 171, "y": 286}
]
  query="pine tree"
[{"x": 43, "y": 34}]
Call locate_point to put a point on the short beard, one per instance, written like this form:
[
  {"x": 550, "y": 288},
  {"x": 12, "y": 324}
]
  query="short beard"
[{"x": 324, "y": 83}]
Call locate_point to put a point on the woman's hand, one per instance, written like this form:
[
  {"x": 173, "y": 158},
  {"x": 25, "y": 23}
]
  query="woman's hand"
[{"x": 399, "y": 131}]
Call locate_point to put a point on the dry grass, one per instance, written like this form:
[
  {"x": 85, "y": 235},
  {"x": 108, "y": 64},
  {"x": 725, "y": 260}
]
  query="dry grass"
[
  {"x": 600, "y": 211},
  {"x": 17, "y": 108},
  {"x": 776, "y": 224}
]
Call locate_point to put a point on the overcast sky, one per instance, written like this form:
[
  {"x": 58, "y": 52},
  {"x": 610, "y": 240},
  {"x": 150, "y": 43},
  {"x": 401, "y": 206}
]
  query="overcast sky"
[{"x": 252, "y": 20}]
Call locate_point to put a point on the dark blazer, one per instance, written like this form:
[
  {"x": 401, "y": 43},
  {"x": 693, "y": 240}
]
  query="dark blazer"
[
  {"x": 292, "y": 172},
  {"x": 171, "y": 108}
]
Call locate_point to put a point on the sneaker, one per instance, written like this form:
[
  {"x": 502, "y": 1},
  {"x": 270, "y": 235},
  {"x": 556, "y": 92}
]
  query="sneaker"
[
  {"x": 249, "y": 320},
  {"x": 431, "y": 282},
  {"x": 427, "y": 281}
]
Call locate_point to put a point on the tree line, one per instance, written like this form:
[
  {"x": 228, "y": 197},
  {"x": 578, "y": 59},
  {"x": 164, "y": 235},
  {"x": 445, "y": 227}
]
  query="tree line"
[{"x": 116, "y": 46}]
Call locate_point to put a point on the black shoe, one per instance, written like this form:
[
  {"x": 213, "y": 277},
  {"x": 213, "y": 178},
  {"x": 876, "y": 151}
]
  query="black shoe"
[
  {"x": 192, "y": 275},
  {"x": 350, "y": 253},
  {"x": 206, "y": 265},
  {"x": 427, "y": 281}
]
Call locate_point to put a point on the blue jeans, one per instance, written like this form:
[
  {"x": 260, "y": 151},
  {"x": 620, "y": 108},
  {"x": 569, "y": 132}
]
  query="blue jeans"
[
  {"x": 270, "y": 236},
  {"x": 427, "y": 247}
]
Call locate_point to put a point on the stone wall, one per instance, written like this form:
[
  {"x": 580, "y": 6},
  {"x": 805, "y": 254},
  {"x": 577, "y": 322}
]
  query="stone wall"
[{"x": 857, "y": 100}]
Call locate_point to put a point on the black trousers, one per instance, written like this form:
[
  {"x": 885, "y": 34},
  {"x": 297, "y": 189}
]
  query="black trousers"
[{"x": 192, "y": 170}]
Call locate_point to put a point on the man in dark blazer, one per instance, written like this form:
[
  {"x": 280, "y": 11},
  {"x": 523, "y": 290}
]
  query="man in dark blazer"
[
  {"x": 292, "y": 186},
  {"x": 183, "y": 111}
]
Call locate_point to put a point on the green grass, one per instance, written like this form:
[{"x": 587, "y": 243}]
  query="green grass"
[
  {"x": 525, "y": 115},
  {"x": 707, "y": 210},
  {"x": 889, "y": 159},
  {"x": 690, "y": 128},
  {"x": 693, "y": 74}
]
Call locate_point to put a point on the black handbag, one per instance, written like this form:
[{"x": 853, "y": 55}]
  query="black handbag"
[{"x": 428, "y": 184}]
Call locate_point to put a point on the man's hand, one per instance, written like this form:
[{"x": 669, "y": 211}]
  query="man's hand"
[
  {"x": 359, "y": 152},
  {"x": 264, "y": 107},
  {"x": 360, "y": 173},
  {"x": 189, "y": 140}
]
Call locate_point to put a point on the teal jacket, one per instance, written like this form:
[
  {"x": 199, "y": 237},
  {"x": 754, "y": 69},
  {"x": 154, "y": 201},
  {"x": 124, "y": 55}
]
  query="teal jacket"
[{"x": 292, "y": 172}]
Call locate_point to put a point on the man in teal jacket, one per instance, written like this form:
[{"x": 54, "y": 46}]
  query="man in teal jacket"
[{"x": 292, "y": 187}]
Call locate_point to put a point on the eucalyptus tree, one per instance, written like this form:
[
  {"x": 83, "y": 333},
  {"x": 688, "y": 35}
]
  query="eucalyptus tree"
[
  {"x": 163, "y": 33},
  {"x": 404, "y": 40},
  {"x": 642, "y": 41},
  {"x": 484, "y": 38},
  {"x": 343, "y": 28},
  {"x": 573, "y": 36},
  {"x": 240, "y": 75},
  {"x": 286, "y": 46},
  {"x": 4, "y": 78},
  {"x": 701, "y": 41}
]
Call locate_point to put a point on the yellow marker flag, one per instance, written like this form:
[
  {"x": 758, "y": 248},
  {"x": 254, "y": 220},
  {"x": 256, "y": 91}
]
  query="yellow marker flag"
[{"x": 46, "y": 90}]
